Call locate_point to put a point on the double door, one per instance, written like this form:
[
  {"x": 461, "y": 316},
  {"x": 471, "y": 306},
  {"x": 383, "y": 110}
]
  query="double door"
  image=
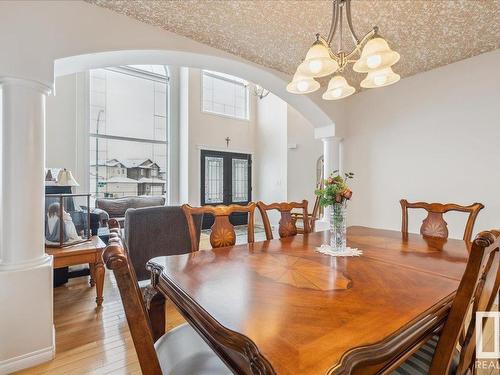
[{"x": 226, "y": 178}]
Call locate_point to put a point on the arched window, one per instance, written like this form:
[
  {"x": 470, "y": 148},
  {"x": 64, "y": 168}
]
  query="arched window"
[{"x": 128, "y": 141}]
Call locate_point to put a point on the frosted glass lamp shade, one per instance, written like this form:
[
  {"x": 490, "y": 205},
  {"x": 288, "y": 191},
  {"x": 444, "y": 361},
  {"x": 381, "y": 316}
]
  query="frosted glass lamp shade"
[
  {"x": 380, "y": 78},
  {"x": 302, "y": 84},
  {"x": 338, "y": 88},
  {"x": 65, "y": 178},
  {"x": 376, "y": 55},
  {"x": 318, "y": 62}
]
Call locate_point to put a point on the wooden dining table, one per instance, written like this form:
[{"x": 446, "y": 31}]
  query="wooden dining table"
[{"x": 281, "y": 307}]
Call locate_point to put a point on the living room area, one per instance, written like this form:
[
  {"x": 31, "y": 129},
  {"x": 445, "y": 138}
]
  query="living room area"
[{"x": 138, "y": 136}]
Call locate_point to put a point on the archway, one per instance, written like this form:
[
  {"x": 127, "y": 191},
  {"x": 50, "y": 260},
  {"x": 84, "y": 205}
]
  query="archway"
[{"x": 275, "y": 82}]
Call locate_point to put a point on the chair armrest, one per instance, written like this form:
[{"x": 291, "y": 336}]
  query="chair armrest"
[
  {"x": 103, "y": 216},
  {"x": 113, "y": 224}
]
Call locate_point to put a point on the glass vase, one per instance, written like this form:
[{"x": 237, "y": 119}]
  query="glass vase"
[{"x": 338, "y": 226}]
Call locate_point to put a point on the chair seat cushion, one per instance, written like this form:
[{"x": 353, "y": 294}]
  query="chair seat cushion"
[
  {"x": 420, "y": 361},
  {"x": 182, "y": 351}
]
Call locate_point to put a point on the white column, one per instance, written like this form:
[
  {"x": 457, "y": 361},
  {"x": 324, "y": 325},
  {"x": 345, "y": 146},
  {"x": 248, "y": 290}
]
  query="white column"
[
  {"x": 332, "y": 162},
  {"x": 25, "y": 269},
  {"x": 22, "y": 181}
]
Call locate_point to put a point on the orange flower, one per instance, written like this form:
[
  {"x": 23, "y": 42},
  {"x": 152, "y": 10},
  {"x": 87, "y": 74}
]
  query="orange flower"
[
  {"x": 330, "y": 181},
  {"x": 347, "y": 194}
]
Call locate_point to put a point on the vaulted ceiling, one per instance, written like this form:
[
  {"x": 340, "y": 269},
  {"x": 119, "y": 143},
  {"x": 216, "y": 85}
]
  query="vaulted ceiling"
[{"x": 278, "y": 33}]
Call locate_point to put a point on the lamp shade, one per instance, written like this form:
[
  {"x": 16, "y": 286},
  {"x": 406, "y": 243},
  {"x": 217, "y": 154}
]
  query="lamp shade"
[
  {"x": 318, "y": 62},
  {"x": 338, "y": 88},
  {"x": 376, "y": 55},
  {"x": 302, "y": 84},
  {"x": 380, "y": 78},
  {"x": 65, "y": 178}
]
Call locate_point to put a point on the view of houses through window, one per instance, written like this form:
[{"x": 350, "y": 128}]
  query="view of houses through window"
[{"x": 128, "y": 131}]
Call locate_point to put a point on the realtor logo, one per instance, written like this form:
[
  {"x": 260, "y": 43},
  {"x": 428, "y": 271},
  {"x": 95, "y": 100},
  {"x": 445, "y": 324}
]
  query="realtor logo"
[{"x": 491, "y": 348}]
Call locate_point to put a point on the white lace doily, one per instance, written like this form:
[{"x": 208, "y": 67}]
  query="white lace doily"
[{"x": 348, "y": 252}]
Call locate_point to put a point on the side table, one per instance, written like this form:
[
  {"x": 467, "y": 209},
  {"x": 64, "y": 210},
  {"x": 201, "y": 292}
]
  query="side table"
[{"x": 87, "y": 252}]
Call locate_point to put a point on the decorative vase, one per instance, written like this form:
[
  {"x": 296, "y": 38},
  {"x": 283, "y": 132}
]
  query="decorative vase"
[{"x": 338, "y": 226}]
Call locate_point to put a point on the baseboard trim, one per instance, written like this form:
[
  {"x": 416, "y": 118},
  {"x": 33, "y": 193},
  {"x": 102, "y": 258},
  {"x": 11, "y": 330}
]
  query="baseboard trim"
[{"x": 28, "y": 360}]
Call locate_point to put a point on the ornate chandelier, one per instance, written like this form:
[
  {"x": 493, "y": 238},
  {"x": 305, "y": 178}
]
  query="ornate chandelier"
[{"x": 375, "y": 59}]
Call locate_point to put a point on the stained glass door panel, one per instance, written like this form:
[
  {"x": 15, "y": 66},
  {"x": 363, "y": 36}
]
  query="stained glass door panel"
[
  {"x": 225, "y": 179},
  {"x": 240, "y": 180},
  {"x": 214, "y": 180}
]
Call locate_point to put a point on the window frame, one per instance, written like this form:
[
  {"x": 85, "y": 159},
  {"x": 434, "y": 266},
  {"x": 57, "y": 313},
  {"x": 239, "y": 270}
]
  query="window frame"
[
  {"x": 138, "y": 73},
  {"x": 237, "y": 81}
]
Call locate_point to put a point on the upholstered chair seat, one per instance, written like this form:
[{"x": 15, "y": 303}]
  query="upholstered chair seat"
[
  {"x": 182, "y": 351},
  {"x": 420, "y": 362}
]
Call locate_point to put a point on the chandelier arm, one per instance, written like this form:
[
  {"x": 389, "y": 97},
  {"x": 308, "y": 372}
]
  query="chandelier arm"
[
  {"x": 333, "y": 25},
  {"x": 368, "y": 36},
  {"x": 325, "y": 43},
  {"x": 349, "y": 22}
]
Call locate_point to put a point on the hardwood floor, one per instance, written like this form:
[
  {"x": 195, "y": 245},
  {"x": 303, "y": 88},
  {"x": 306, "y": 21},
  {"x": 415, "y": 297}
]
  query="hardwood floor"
[{"x": 91, "y": 340}]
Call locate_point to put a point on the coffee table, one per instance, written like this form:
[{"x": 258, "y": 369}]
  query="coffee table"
[{"x": 87, "y": 252}]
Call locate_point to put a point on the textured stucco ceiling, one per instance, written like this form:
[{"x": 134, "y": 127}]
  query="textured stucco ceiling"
[{"x": 278, "y": 33}]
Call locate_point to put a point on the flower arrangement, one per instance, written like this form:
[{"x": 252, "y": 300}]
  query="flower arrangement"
[{"x": 335, "y": 190}]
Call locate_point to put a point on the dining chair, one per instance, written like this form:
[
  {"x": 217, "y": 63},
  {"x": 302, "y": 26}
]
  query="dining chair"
[
  {"x": 477, "y": 292},
  {"x": 180, "y": 351},
  {"x": 434, "y": 224},
  {"x": 287, "y": 225},
  {"x": 150, "y": 232},
  {"x": 223, "y": 233},
  {"x": 312, "y": 217}
]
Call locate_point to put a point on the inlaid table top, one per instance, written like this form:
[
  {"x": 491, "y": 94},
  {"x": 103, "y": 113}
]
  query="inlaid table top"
[{"x": 280, "y": 307}]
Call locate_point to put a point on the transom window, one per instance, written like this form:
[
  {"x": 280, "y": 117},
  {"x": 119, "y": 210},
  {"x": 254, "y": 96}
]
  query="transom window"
[{"x": 225, "y": 95}]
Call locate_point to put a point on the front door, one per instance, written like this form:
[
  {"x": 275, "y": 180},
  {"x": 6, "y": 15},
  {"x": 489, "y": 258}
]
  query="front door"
[{"x": 226, "y": 178}]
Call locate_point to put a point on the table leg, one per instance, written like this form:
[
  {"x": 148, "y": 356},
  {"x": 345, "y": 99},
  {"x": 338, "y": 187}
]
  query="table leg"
[
  {"x": 92, "y": 274},
  {"x": 99, "y": 282}
]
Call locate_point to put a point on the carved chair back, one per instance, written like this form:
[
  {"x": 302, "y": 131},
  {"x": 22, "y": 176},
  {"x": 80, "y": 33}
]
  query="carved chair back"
[
  {"x": 315, "y": 213},
  {"x": 434, "y": 224},
  {"x": 116, "y": 259},
  {"x": 477, "y": 292},
  {"x": 287, "y": 226},
  {"x": 223, "y": 233}
]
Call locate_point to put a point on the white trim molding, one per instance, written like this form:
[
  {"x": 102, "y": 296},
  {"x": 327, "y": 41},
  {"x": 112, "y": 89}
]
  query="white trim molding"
[
  {"x": 221, "y": 149},
  {"x": 28, "y": 360}
]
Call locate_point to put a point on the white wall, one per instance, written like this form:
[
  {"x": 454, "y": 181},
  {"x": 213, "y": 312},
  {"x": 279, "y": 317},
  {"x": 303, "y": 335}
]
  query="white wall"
[
  {"x": 209, "y": 131},
  {"x": 292, "y": 171},
  {"x": 271, "y": 152},
  {"x": 184, "y": 135},
  {"x": 173, "y": 168},
  {"x": 66, "y": 117},
  {"x": 301, "y": 162},
  {"x": 432, "y": 137}
]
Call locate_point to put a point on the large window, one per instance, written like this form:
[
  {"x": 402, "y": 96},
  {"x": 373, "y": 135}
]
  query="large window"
[
  {"x": 225, "y": 95},
  {"x": 128, "y": 131}
]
